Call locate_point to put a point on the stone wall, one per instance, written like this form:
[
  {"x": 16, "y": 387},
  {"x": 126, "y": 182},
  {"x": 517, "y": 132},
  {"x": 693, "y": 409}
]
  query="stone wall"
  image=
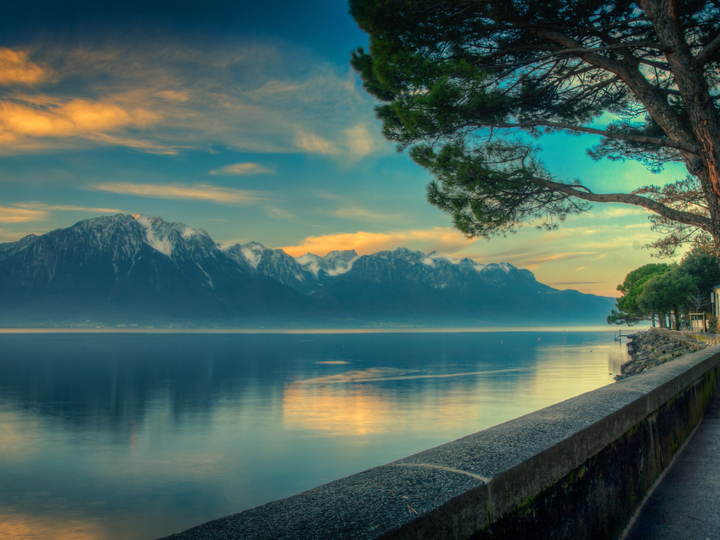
[{"x": 655, "y": 346}]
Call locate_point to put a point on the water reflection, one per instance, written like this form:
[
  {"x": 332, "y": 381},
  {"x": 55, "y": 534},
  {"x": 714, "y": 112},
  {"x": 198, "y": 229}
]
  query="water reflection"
[
  {"x": 49, "y": 527},
  {"x": 131, "y": 437}
]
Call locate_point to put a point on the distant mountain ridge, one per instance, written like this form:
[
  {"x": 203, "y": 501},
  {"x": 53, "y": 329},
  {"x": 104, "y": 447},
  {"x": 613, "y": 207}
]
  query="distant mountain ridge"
[{"x": 138, "y": 269}]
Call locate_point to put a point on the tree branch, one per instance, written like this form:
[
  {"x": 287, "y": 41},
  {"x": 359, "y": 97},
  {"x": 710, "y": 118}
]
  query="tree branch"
[
  {"x": 653, "y": 100},
  {"x": 667, "y": 143},
  {"x": 688, "y": 218},
  {"x": 707, "y": 53}
]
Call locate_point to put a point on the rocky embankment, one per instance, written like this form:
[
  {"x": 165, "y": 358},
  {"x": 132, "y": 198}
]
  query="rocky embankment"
[{"x": 656, "y": 346}]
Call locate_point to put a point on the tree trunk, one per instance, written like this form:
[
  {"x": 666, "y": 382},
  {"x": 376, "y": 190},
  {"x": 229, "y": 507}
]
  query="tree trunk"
[{"x": 688, "y": 68}]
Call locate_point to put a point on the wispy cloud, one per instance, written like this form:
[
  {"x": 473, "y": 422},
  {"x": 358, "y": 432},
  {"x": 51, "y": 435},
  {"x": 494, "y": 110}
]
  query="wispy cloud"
[
  {"x": 242, "y": 169},
  {"x": 76, "y": 118},
  {"x": 279, "y": 213},
  {"x": 622, "y": 212},
  {"x": 164, "y": 97},
  {"x": 563, "y": 256},
  {"x": 16, "y": 68},
  {"x": 12, "y": 236},
  {"x": 67, "y": 208},
  {"x": 359, "y": 212},
  {"x": 315, "y": 144},
  {"x": 9, "y": 214},
  {"x": 36, "y": 211},
  {"x": 202, "y": 192}
]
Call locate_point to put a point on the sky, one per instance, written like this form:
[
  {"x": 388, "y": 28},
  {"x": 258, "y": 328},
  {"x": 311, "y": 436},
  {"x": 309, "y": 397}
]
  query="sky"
[{"x": 246, "y": 119}]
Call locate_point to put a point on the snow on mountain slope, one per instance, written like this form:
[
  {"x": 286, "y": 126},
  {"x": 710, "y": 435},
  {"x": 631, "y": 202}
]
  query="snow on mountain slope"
[
  {"x": 311, "y": 262},
  {"x": 335, "y": 263},
  {"x": 166, "y": 237},
  {"x": 274, "y": 263}
]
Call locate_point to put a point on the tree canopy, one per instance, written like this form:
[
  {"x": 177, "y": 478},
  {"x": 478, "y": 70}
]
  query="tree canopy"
[
  {"x": 703, "y": 268},
  {"x": 628, "y": 308},
  {"x": 645, "y": 295},
  {"x": 668, "y": 292},
  {"x": 460, "y": 79}
]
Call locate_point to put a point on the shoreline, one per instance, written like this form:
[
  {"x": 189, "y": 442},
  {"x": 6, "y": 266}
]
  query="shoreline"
[{"x": 295, "y": 331}]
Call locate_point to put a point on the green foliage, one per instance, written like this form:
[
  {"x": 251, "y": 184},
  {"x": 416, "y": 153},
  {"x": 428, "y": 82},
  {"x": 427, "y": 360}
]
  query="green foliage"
[
  {"x": 687, "y": 195},
  {"x": 629, "y": 310},
  {"x": 458, "y": 79},
  {"x": 703, "y": 268},
  {"x": 486, "y": 190},
  {"x": 668, "y": 292},
  {"x": 659, "y": 288}
]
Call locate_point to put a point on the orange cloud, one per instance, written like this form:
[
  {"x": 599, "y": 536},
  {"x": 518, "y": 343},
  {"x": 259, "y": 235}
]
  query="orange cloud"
[
  {"x": 441, "y": 239},
  {"x": 16, "y": 68},
  {"x": 320, "y": 110},
  {"x": 362, "y": 242},
  {"x": 78, "y": 117}
]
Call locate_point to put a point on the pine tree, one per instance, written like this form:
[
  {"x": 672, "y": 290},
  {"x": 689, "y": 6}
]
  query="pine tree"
[{"x": 460, "y": 78}]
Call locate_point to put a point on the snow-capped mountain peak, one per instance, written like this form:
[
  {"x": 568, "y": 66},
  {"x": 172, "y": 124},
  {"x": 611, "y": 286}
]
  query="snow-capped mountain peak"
[
  {"x": 253, "y": 252},
  {"x": 333, "y": 264},
  {"x": 310, "y": 262},
  {"x": 339, "y": 262},
  {"x": 155, "y": 241},
  {"x": 165, "y": 237}
]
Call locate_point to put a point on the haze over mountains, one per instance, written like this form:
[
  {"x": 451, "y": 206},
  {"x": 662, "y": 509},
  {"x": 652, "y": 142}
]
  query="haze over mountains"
[{"x": 141, "y": 270}]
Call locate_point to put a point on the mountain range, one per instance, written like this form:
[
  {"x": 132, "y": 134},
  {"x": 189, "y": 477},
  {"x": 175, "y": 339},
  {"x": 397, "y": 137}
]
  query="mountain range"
[{"x": 138, "y": 270}]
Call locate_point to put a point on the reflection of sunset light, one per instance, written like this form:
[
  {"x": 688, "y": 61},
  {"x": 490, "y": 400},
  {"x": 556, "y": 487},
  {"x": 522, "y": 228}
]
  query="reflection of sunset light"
[
  {"x": 44, "y": 527},
  {"x": 350, "y": 403},
  {"x": 18, "y": 434},
  {"x": 567, "y": 371},
  {"x": 347, "y": 410}
]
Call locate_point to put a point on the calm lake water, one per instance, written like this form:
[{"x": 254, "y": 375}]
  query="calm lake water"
[{"x": 137, "y": 436}]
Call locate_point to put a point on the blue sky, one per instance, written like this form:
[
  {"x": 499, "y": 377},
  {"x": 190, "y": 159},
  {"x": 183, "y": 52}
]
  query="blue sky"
[{"x": 245, "y": 119}]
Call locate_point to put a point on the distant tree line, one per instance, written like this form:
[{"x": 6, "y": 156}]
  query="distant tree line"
[{"x": 663, "y": 293}]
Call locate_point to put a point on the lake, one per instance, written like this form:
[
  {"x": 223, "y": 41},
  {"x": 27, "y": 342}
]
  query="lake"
[{"x": 136, "y": 436}]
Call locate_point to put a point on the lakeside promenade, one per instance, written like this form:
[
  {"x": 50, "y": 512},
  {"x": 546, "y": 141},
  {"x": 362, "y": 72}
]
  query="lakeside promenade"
[{"x": 686, "y": 503}]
